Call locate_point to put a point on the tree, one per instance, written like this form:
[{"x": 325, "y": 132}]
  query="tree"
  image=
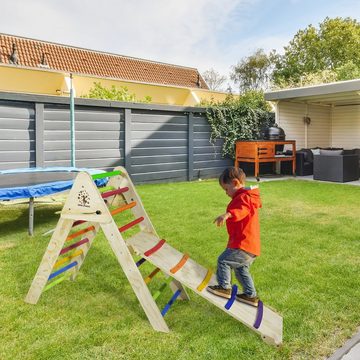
[
  {"x": 114, "y": 93},
  {"x": 213, "y": 79},
  {"x": 320, "y": 53},
  {"x": 253, "y": 72}
]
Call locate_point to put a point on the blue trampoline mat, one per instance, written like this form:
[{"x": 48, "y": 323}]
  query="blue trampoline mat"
[{"x": 37, "y": 182}]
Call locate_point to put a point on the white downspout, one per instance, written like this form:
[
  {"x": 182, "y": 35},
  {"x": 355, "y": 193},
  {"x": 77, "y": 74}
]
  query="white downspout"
[
  {"x": 277, "y": 113},
  {"x": 331, "y": 124},
  {"x": 306, "y": 125}
]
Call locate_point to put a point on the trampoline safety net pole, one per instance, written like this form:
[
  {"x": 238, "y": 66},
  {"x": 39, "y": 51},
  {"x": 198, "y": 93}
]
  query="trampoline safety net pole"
[{"x": 72, "y": 121}]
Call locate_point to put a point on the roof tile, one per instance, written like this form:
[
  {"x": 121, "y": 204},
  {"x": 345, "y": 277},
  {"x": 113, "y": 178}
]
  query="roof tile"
[{"x": 90, "y": 62}]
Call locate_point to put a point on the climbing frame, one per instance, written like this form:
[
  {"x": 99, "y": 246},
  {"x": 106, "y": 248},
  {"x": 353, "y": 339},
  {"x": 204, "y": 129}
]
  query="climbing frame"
[{"x": 88, "y": 209}]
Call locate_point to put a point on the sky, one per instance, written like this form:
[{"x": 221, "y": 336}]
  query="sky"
[{"x": 203, "y": 34}]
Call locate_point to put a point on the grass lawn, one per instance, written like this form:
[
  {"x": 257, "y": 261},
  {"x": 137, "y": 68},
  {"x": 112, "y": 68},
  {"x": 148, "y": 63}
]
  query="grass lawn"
[{"x": 308, "y": 271}]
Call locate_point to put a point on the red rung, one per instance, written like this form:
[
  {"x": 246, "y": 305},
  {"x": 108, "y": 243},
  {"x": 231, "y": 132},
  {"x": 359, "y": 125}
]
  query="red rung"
[
  {"x": 155, "y": 248},
  {"x": 114, "y": 192},
  {"x": 73, "y": 246},
  {"x": 131, "y": 224},
  {"x": 78, "y": 222}
]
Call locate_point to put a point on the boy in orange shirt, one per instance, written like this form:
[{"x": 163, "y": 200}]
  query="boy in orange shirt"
[{"x": 243, "y": 226}]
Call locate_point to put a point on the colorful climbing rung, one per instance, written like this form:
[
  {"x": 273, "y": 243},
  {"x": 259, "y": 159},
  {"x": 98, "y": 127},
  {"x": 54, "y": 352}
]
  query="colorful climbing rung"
[
  {"x": 123, "y": 208},
  {"x": 155, "y": 248},
  {"x": 105, "y": 175},
  {"x": 68, "y": 258},
  {"x": 60, "y": 271},
  {"x": 73, "y": 246},
  {"x": 105, "y": 189},
  {"x": 141, "y": 261},
  {"x": 114, "y": 192},
  {"x": 180, "y": 264},
  {"x": 80, "y": 232},
  {"x": 78, "y": 222},
  {"x": 206, "y": 280},
  {"x": 232, "y": 298},
  {"x": 168, "y": 305},
  {"x": 162, "y": 287},
  {"x": 150, "y": 276},
  {"x": 259, "y": 315},
  {"x": 131, "y": 224},
  {"x": 57, "y": 281}
]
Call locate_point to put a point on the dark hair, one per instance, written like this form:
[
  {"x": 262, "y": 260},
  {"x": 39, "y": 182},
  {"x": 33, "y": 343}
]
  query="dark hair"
[{"x": 232, "y": 173}]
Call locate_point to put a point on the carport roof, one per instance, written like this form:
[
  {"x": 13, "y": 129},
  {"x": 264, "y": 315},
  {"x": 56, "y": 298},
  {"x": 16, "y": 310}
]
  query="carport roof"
[{"x": 337, "y": 94}]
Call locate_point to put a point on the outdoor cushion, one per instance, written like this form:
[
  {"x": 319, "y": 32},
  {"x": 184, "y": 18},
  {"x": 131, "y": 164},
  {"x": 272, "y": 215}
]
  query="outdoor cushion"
[
  {"x": 316, "y": 151},
  {"x": 331, "y": 152}
]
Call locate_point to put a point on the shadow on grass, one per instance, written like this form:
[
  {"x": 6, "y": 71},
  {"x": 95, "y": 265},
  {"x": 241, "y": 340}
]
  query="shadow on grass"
[{"x": 16, "y": 219}]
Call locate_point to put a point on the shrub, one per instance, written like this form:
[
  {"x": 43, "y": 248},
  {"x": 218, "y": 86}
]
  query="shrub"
[{"x": 238, "y": 118}]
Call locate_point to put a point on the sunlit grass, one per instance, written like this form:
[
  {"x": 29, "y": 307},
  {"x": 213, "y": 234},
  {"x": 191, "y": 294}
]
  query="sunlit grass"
[{"x": 308, "y": 271}]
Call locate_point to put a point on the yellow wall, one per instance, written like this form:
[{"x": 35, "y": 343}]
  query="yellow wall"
[
  {"x": 208, "y": 95},
  {"x": 159, "y": 94},
  {"x": 16, "y": 79},
  {"x": 48, "y": 82}
]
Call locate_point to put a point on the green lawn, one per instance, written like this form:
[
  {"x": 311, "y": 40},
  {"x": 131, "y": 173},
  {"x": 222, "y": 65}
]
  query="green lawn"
[{"x": 309, "y": 272}]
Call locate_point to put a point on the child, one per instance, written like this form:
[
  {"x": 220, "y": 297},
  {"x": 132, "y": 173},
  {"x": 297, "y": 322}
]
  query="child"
[{"x": 243, "y": 227}]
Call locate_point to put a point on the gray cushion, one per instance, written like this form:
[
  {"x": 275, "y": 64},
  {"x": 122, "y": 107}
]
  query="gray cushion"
[{"x": 331, "y": 152}]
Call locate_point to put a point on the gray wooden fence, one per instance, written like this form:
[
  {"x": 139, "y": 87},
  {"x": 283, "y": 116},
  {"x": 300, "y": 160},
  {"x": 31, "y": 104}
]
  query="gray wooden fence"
[{"x": 155, "y": 143}]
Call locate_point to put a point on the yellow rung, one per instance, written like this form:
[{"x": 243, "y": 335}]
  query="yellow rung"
[
  {"x": 205, "y": 281},
  {"x": 66, "y": 259}
]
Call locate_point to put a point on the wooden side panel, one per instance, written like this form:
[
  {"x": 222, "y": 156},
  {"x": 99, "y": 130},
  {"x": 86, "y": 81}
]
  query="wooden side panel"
[
  {"x": 134, "y": 276},
  {"x": 47, "y": 263}
]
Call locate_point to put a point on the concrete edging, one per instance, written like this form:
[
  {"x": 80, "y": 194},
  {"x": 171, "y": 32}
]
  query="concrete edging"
[{"x": 339, "y": 353}]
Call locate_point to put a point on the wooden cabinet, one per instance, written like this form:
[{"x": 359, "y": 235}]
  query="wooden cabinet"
[{"x": 263, "y": 151}]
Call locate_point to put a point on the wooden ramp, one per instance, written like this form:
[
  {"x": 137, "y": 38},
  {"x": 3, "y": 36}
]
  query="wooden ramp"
[
  {"x": 192, "y": 275},
  {"x": 88, "y": 209}
]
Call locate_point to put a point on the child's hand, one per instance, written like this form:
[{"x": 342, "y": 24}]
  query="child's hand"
[{"x": 221, "y": 220}]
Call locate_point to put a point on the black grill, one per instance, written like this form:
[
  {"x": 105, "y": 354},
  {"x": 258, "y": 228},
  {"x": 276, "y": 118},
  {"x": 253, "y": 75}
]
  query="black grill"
[{"x": 273, "y": 133}]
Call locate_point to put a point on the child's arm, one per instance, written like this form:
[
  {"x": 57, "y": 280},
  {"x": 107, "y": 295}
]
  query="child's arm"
[{"x": 221, "y": 219}]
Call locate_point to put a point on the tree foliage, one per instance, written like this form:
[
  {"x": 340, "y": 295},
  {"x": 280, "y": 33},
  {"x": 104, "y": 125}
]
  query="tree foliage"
[
  {"x": 253, "y": 72},
  {"x": 325, "y": 53},
  {"x": 238, "y": 118},
  {"x": 213, "y": 79},
  {"x": 113, "y": 93}
]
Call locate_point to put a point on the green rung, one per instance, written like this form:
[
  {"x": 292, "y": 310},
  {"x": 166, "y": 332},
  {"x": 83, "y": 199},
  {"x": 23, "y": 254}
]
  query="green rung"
[
  {"x": 57, "y": 281},
  {"x": 162, "y": 287},
  {"x": 106, "y": 188},
  {"x": 107, "y": 174}
]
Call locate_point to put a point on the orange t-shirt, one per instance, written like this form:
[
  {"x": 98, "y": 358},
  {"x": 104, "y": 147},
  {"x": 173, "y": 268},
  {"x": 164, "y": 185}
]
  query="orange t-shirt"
[{"x": 243, "y": 226}]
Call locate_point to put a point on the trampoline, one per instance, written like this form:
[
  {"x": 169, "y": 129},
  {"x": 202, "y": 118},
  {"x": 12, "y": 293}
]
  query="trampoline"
[{"x": 37, "y": 182}]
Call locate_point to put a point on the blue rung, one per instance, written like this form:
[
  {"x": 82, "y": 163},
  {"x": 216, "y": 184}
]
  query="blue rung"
[
  {"x": 232, "y": 299},
  {"x": 60, "y": 271},
  {"x": 259, "y": 315},
  {"x": 141, "y": 261},
  {"x": 168, "y": 305}
]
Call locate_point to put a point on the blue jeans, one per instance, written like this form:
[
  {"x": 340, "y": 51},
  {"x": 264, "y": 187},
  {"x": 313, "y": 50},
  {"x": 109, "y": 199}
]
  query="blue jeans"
[{"x": 240, "y": 261}]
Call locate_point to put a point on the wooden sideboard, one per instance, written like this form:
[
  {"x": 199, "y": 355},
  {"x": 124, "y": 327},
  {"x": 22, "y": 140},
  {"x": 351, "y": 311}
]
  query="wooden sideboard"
[{"x": 263, "y": 151}]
